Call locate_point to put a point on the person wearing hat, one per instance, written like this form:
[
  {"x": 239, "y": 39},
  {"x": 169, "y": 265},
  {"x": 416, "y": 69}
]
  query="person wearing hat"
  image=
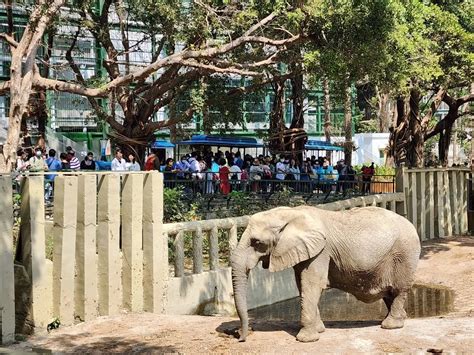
[
  {"x": 88, "y": 163},
  {"x": 74, "y": 163}
]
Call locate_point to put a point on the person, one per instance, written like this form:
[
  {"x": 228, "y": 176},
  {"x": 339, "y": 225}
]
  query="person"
[
  {"x": 52, "y": 163},
  {"x": 194, "y": 166},
  {"x": 224, "y": 177},
  {"x": 281, "y": 168},
  {"x": 88, "y": 163},
  {"x": 294, "y": 169},
  {"x": 64, "y": 162},
  {"x": 152, "y": 162},
  {"x": 367, "y": 173},
  {"x": 118, "y": 163},
  {"x": 169, "y": 172},
  {"x": 36, "y": 162},
  {"x": 306, "y": 175},
  {"x": 21, "y": 161},
  {"x": 74, "y": 163},
  {"x": 255, "y": 174},
  {"x": 326, "y": 175},
  {"x": 182, "y": 167},
  {"x": 21, "y": 166},
  {"x": 132, "y": 165},
  {"x": 238, "y": 160}
]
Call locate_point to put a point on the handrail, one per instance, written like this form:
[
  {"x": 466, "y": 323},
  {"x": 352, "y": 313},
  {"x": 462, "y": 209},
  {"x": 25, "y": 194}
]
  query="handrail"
[{"x": 177, "y": 231}]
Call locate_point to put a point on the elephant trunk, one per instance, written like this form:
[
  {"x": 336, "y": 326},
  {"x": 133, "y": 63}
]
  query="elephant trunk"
[{"x": 239, "y": 282}]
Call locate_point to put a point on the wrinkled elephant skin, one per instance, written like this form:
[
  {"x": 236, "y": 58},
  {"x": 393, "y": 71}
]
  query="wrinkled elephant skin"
[{"x": 369, "y": 252}]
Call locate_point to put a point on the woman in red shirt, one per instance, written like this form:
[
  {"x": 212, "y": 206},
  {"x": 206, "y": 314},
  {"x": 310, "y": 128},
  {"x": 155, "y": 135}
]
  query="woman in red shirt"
[{"x": 224, "y": 176}]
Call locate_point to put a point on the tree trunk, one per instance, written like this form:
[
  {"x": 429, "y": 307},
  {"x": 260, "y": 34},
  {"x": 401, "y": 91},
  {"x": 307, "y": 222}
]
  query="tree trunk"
[
  {"x": 384, "y": 113},
  {"x": 327, "y": 111},
  {"x": 22, "y": 70},
  {"x": 348, "y": 145},
  {"x": 298, "y": 101},
  {"x": 277, "y": 120},
  {"x": 416, "y": 142},
  {"x": 297, "y": 122}
]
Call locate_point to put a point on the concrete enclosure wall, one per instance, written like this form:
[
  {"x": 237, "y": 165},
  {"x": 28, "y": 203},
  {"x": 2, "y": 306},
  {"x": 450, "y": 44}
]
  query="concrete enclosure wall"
[{"x": 112, "y": 252}]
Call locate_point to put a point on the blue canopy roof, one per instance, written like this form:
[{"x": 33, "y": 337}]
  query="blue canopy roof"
[
  {"x": 161, "y": 144},
  {"x": 321, "y": 145},
  {"x": 222, "y": 141}
]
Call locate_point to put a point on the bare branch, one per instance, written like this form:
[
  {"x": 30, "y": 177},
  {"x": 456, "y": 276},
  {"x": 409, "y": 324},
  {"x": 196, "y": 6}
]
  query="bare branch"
[
  {"x": 434, "y": 106},
  {"x": 260, "y": 24},
  {"x": 216, "y": 69},
  {"x": 155, "y": 126},
  {"x": 9, "y": 39}
]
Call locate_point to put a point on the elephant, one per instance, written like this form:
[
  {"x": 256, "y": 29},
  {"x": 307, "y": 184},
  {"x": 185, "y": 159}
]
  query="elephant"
[{"x": 369, "y": 252}]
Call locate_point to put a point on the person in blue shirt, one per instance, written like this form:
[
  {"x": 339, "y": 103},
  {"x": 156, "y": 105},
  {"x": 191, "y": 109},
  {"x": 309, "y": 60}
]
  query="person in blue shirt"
[
  {"x": 327, "y": 175},
  {"x": 182, "y": 167},
  {"x": 53, "y": 165}
]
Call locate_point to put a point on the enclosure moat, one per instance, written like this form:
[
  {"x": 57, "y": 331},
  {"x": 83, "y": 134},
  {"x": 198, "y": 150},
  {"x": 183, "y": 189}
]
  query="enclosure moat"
[{"x": 424, "y": 300}]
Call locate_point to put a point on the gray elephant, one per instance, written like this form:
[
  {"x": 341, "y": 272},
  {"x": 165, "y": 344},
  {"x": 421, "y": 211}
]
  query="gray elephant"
[{"x": 369, "y": 252}]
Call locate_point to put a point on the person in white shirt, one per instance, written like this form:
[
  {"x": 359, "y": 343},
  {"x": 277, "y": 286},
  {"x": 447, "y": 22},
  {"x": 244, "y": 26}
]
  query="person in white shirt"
[
  {"x": 281, "y": 168},
  {"x": 194, "y": 166},
  {"x": 119, "y": 163}
]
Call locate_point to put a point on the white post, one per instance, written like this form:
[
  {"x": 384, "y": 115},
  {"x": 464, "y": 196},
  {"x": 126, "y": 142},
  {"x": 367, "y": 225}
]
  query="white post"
[
  {"x": 86, "y": 296},
  {"x": 7, "y": 281},
  {"x": 132, "y": 255},
  {"x": 155, "y": 245},
  {"x": 33, "y": 248},
  {"x": 109, "y": 263},
  {"x": 441, "y": 197}
]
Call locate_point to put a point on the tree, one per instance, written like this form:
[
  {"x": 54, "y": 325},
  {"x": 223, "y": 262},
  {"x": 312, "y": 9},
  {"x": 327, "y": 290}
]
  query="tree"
[
  {"x": 432, "y": 58},
  {"x": 347, "y": 45},
  {"x": 212, "y": 33}
]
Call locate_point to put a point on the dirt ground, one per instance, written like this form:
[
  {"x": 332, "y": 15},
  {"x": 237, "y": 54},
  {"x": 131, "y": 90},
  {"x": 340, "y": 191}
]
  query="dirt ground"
[{"x": 449, "y": 263}]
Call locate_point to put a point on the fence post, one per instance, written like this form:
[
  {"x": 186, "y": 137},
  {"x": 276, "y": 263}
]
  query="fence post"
[
  {"x": 401, "y": 184},
  {"x": 109, "y": 263},
  {"x": 86, "y": 296},
  {"x": 132, "y": 273},
  {"x": 421, "y": 205},
  {"x": 440, "y": 203},
  {"x": 7, "y": 281},
  {"x": 447, "y": 192},
  {"x": 431, "y": 205},
  {"x": 64, "y": 233},
  {"x": 33, "y": 249},
  {"x": 214, "y": 248},
  {"x": 197, "y": 251},
  {"x": 453, "y": 181},
  {"x": 464, "y": 184},
  {"x": 155, "y": 245},
  {"x": 179, "y": 254}
]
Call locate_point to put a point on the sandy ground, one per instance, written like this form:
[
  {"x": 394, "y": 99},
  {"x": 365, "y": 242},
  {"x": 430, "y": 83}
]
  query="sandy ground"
[{"x": 449, "y": 263}]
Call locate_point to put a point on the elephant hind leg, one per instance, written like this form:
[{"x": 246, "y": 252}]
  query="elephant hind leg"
[{"x": 395, "y": 303}]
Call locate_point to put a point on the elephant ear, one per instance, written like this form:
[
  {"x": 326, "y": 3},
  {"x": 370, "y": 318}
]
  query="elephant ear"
[{"x": 300, "y": 239}]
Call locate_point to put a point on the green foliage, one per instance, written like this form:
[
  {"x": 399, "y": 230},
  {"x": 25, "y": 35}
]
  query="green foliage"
[{"x": 177, "y": 208}]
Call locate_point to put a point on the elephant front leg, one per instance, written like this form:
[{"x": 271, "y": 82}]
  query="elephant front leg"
[
  {"x": 311, "y": 278},
  {"x": 396, "y": 311}
]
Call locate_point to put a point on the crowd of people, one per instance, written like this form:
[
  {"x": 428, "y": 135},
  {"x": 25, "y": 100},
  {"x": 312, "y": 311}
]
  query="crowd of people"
[
  {"x": 208, "y": 172},
  {"x": 230, "y": 171}
]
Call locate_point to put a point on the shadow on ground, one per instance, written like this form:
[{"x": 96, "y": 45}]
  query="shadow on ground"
[
  {"x": 68, "y": 343},
  {"x": 429, "y": 248},
  {"x": 231, "y": 329}
]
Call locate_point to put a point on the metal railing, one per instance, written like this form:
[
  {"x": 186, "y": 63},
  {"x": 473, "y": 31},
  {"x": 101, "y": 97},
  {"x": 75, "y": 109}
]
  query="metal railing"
[{"x": 209, "y": 183}]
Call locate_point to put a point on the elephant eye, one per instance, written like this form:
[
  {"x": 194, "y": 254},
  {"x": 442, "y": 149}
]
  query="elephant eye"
[{"x": 258, "y": 245}]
